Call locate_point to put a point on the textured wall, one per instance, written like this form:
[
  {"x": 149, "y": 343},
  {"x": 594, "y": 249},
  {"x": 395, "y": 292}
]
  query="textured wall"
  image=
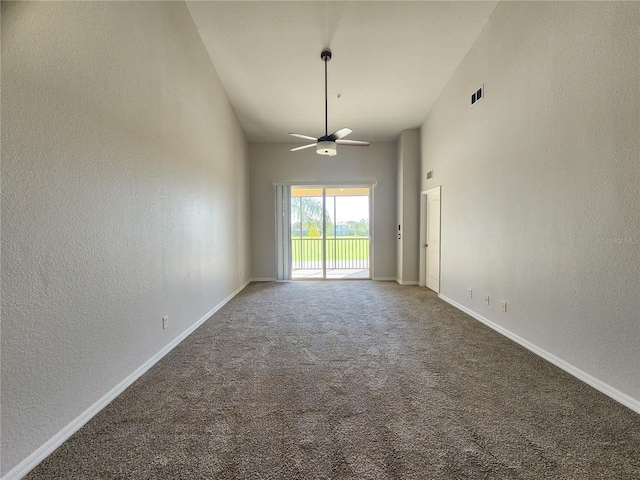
[
  {"x": 124, "y": 198},
  {"x": 399, "y": 206},
  {"x": 540, "y": 181},
  {"x": 275, "y": 163},
  {"x": 408, "y": 246}
]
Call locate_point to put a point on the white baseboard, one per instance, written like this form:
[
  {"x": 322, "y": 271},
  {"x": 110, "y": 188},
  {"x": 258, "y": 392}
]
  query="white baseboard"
[
  {"x": 384, "y": 279},
  {"x": 267, "y": 279},
  {"x": 617, "y": 395},
  {"x": 29, "y": 463},
  {"x": 407, "y": 282}
]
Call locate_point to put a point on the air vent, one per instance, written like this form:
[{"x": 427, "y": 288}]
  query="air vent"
[{"x": 477, "y": 95}]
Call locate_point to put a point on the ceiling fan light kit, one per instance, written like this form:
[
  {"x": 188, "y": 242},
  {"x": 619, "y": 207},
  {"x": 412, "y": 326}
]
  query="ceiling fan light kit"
[
  {"x": 326, "y": 148},
  {"x": 327, "y": 144}
]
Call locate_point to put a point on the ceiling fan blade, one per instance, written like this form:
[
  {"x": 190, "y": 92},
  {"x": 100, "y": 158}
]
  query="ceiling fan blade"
[
  {"x": 306, "y": 137},
  {"x": 343, "y": 132},
  {"x": 303, "y": 147},
  {"x": 353, "y": 143}
]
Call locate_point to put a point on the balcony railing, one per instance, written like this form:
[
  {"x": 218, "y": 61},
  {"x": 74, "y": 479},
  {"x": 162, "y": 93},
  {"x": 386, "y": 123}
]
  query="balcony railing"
[{"x": 352, "y": 253}]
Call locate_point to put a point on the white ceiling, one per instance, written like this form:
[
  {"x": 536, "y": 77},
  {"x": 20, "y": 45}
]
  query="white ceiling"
[{"x": 390, "y": 61}]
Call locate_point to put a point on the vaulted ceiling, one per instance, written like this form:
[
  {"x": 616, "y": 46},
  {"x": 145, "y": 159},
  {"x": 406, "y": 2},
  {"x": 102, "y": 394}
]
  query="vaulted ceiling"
[{"x": 390, "y": 61}]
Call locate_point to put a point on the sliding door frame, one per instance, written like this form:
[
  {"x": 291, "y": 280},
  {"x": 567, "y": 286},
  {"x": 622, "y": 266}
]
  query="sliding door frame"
[{"x": 283, "y": 207}]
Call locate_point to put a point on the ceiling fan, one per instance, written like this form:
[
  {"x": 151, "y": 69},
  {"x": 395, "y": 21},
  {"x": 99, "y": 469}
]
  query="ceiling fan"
[{"x": 326, "y": 145}]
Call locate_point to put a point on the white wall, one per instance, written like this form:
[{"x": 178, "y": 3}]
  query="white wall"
[
  {"x": 540, "y": 181},
  {"x": 124, "y": 198},
  {"x": 273, "y": 162}
]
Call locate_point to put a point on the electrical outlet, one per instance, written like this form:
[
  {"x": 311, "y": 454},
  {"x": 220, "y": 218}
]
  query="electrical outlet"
[
  {"x": 470, "y": 293},
  {"x": 486, "y": 300},
  {"x": 504, "y": 306},
  {"x": 165, "y": 322}
]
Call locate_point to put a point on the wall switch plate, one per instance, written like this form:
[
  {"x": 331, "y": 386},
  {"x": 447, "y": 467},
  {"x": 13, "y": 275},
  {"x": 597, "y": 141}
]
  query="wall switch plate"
[
  {"x": 486, "y": 300},
  {"x": 165, "y": 322},
  {"x": 504, "y": 306},
  {"x": 470, "y": 293}
]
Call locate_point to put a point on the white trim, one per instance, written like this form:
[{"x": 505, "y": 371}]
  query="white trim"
[
  {"x": 384, "y": 279},
  {"x": 617, "y": 395},
  {"x": 29, "y": 463},
  {"x": 265, "y": 279},
  {"x": 407, "y": 282},
  {"x": 422, "y": 263},
  {"x": 372, "y": 227}
]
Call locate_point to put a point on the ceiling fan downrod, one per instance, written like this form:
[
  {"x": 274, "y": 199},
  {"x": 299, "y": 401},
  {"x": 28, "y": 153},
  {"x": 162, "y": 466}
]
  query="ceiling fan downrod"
[
  {"x": 326, "y": 56},
  {"x": 326, "y": 145}
]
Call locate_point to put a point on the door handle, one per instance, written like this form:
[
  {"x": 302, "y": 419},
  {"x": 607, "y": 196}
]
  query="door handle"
[{"x": 425, "y": 245}]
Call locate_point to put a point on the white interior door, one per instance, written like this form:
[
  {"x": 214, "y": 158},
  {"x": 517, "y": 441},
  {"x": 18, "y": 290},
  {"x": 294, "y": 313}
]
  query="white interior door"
[{"x": 432, "y": 239}]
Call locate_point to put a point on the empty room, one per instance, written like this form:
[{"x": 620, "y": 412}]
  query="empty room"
[{"x": 320, "y": 240}]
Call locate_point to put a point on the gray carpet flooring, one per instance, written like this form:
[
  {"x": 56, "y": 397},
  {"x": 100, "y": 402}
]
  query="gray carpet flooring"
[{"x": 351, "y": 380}]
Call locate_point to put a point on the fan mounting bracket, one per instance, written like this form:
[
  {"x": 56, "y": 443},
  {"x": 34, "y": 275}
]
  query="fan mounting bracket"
[{"x": 326, "y": 55}]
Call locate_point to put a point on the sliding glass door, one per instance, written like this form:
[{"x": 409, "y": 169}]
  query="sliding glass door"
[
  {"x": 307, "y": 232},
  {"x": 330, "y": 232}
]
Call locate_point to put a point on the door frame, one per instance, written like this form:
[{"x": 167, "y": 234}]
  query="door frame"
[{"x": 423, "y": 236}]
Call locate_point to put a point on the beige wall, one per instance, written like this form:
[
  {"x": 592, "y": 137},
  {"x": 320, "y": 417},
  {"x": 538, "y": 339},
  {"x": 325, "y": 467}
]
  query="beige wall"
[
  {"x": 124, "y": 198},
  {"x": 540, "y": 184},
  {"x": 273, "y": 162}
]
